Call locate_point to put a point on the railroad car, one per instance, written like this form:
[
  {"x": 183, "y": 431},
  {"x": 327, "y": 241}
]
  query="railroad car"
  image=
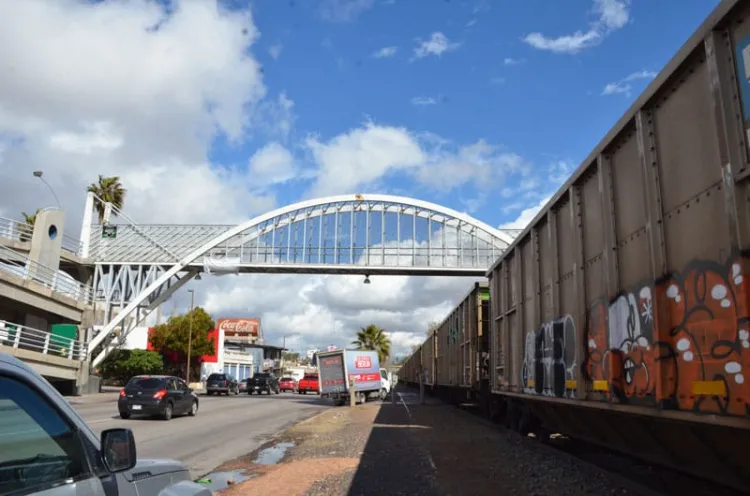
[{"x": 621, "y": 314}]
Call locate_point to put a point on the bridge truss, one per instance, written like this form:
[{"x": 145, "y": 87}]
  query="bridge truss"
[{"x": 137, "y": 267}]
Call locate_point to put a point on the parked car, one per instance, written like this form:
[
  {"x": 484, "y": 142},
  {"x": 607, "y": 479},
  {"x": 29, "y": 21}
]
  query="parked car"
[
  {"x": 160, "y": 395},
  {"x": 47, "y": 448},
  {"x": 222, "y": 383},
  {"x": 287, "y": 384},
  {"x": 263, "y": 381},
  {"x": 243, "y": 385},
  {"x": 308, "y": 384}
]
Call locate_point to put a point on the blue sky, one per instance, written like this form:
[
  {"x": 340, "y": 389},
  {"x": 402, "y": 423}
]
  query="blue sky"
[{"x": 489, "y": 83}]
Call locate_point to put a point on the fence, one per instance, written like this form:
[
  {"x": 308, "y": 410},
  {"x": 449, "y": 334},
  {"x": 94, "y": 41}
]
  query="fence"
[
  {"x": 27, "y": 338},
  {"x": 20, "y": 231},
  {"x": 19, "y": 265}
]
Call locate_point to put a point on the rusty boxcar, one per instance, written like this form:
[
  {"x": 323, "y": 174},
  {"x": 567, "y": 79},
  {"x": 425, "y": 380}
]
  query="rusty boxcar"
[{"x": 621, "y": 313}]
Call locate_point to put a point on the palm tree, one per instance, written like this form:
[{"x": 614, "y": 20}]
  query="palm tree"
[
  {"x": 110, "y": 190},
  {"x": 374, "y": 338},
  {"x": 26, "y": 230}
]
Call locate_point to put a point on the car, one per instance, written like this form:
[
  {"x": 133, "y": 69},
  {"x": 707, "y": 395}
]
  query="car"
[
  {"x": 243, "y": 386},
  {"x": 263, "y": 381},
  {"x": 157, "y": 395},
  {"x": 287, "y": 384},
  {"x": 47, "y": 448},
  {"x": 308, "y": 384},
  {"x": 222, "y": 383}
]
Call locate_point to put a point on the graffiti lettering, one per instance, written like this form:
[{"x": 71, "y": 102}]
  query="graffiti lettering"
[
  {"x": 550, "y": 359},
  {"x": 683, "y": 342}
]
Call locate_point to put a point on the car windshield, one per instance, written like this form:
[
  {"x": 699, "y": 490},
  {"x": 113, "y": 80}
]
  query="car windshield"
[
  {"x": 312, "y": 377},
  {"x": 146, "y": 382}
]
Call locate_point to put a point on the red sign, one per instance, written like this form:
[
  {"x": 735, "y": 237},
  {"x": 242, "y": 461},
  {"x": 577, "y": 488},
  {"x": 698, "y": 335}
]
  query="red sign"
[
  {"x": 327, "y": 362},
  {"x": 363, "y": 362},
  {"x": 366, "y": 377},
  {"x": 242, "y": 329}
]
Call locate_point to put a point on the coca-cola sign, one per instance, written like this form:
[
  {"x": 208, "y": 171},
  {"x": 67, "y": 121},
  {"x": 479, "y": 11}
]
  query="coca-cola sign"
[{"x": 239, "y": 328}]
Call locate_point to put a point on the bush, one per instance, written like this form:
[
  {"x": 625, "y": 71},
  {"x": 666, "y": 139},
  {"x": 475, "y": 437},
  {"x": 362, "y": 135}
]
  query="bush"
[{"x": 121, "y": 365}]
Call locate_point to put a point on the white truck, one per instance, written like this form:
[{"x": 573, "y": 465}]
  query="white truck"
[
  {"x": 338, "y": 369},
  {"x": 46, "y": 448}
]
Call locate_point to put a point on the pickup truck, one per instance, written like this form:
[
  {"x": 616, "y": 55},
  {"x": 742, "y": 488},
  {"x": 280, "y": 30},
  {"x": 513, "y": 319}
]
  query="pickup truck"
[
  {"x": 263, "y": 381},
  {"x": 46, "y": 447},
  {"x": 308, "y": 383}
]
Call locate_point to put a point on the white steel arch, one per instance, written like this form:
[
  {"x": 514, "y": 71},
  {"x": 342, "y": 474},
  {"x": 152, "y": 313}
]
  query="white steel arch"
[{"x": 185, "y": 260}]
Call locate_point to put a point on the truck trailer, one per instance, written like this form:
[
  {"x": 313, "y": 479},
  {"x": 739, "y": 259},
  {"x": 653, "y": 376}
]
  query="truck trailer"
[{"x": 339, "y": 368}]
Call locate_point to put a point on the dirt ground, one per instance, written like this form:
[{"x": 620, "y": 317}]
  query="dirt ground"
[{"x": 412, "y": 449}]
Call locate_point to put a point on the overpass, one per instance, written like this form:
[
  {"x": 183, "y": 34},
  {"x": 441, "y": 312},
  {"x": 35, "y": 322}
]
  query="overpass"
[{"x": 137, "y": 267}]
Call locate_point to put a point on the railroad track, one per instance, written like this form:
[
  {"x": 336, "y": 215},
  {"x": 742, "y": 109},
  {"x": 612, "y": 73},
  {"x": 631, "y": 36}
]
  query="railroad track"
[{"x": 637, "y": 476}]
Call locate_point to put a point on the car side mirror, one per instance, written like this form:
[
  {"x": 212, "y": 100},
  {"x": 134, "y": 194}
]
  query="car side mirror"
[
  {"x": 191, "y": 390},
  {"x": 118, "y": 449}
]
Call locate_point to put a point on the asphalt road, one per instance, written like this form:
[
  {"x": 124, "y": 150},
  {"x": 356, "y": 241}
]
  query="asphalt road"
[{"x": 226, "y": 427}]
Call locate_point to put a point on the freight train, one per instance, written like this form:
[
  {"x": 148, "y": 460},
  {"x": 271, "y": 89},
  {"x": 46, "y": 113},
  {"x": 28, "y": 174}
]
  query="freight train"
[{"x": 621, "y": 314}]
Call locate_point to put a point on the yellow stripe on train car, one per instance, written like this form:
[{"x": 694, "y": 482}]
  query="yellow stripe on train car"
[
  {"x": 571, "y": 384},
  {"x": 530, "y": 383},
  {"x": 710, "y": 388},
  {"x": 601, "y": 386}
]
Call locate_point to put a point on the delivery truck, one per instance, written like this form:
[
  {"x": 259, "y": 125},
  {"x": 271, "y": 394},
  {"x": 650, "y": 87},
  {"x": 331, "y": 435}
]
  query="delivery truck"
[{"x": 338, "y": 369}]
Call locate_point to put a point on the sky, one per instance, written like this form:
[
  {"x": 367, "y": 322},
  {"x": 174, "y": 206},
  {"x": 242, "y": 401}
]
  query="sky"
[{"x": 217, "y": 112}]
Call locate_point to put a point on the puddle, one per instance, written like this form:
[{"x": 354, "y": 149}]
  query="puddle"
[
  {"x": 274, "y": 454},
  {"x": 216, "y": 481}
]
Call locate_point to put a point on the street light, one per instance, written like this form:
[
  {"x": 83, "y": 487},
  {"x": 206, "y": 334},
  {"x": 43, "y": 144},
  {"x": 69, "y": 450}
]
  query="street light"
[
  {"x": 39, "y": 175},
  {"x": 190, "y": 336}
]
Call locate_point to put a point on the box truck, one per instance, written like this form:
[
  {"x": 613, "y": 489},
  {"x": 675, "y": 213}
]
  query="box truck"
[{"x": 338, "y": 369}]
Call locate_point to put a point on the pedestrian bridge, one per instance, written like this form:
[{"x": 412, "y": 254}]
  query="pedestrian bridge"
[{"x": 137, "y": 266}]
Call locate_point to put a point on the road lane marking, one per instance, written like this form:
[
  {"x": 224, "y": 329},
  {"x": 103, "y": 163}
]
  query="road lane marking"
[{"x": 400, "y": 397}]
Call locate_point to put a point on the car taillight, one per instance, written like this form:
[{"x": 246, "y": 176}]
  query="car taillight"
[
  {"x": 122, "y": 393},
  {"x": 160, "y": 394}
]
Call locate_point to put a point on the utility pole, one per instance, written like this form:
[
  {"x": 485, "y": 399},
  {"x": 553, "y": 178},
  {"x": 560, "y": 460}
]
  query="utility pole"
[{"x": 190, "y": 336}]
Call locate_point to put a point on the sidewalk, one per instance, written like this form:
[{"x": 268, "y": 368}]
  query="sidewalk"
[{"x": 412, "y": 449}]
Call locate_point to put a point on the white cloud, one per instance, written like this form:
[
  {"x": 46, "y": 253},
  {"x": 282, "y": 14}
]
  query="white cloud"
[
  {"x": 423, "y": 100},
  {"x": 471, "y": 23},
  {"x": 275, "y": 50},
  {"x": 526, "y": 216},
  {"x": 363, "y": 156},
  {"x": 623, "y": 86},
  {"x": 437, "y": 45},
  {"x": 511, "y": 61},
  {"x": 611, "y": 15},
  {"x": 497, "y": 80},
  {"x": 343, "y": 10},
  {"x": 272, "y": 164},
  {"x": 385, "y": 52}
]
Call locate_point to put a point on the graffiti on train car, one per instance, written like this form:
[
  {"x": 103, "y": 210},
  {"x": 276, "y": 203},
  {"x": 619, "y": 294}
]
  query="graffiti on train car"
[
  {"x": 549, "y": 363},
  {"x": 683, "y": 342}
]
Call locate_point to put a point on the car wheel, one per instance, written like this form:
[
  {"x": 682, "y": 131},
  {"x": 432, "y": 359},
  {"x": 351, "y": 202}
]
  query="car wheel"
[
  {"x": 124, "y": 415},
  {"x": 193, "y": 409},
  {"x": 209, "y": 393},
  {"x": 167, "y": 415},
  {"x": 383, "y": 394}
]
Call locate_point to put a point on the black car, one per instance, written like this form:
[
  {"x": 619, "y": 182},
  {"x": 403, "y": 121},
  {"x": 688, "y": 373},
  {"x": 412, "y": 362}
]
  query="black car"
[
  {"x": 222, "y": 383},
  {"x": 263, "y": 381},
  {"x": 160, "y": 395}
]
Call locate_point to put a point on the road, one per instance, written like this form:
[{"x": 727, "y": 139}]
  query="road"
[{"x": 225, "y": 428}]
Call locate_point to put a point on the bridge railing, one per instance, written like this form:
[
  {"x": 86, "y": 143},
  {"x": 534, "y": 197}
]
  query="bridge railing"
[
  {"x": 27, "y": 338},
  {"x": 20, "y": 231},
  {"x": 19, "y": 265}
]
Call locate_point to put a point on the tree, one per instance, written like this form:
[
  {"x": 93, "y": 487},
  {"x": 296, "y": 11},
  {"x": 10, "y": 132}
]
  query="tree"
[
  {"x": 121, "y": 365},
  {"x": 28, "y": 229},
  {"x": 432, "y": 327},
  {"x": 291, "y": 357},
  {"x": 374, "y": 338},
  {"x": 109, "y": 190},
  {"x": 172, "y": 336}
]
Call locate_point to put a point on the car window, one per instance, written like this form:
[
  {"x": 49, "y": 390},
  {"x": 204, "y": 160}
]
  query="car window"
[
  {"x": 216, "y": 377},
  {"x": 146, "y": 382},
  {"x": 172, "y": 385},
  {"x": 38, "y": 447},
  {"x": 181, "y": 385}
]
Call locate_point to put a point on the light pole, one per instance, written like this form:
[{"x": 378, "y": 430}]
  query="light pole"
[
  {"x": 39, "y": 175},
  {"x": 190, "y": 336}
]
